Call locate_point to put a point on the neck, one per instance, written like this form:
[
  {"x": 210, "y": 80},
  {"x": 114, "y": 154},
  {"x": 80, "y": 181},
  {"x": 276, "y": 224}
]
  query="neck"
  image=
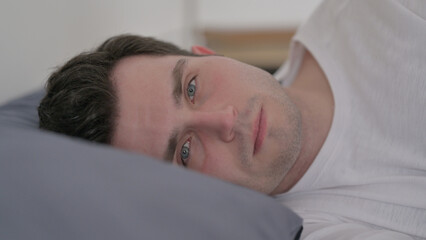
[{"x": 313, "y": 97}]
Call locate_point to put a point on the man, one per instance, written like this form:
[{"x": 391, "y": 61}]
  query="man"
[{"x": 344, "y": 139}]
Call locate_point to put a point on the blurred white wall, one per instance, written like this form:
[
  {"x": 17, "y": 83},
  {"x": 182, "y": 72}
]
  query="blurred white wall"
[
  {"x": 254, "y": 14},
  {"x": 38, "y": 35}
]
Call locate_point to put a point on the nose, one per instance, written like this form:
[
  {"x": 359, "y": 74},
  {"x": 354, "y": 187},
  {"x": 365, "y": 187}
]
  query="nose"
[{"x": 220, "y": 122}]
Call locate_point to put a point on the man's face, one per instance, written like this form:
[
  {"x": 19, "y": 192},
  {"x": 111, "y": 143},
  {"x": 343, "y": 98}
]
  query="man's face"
[{"x": 211, "y": 114}]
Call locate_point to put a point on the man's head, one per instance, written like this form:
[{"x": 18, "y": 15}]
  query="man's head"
[
  {"x": 81, "y": 98},
  {"x": 211, "y": 114}
]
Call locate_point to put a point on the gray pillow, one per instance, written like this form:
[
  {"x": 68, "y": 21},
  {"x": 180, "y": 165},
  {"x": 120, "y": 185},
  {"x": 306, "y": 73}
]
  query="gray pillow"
[{"x": 57, "y": 187}]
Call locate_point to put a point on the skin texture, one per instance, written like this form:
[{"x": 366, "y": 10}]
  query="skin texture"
[{"x": 219, "y": 123}]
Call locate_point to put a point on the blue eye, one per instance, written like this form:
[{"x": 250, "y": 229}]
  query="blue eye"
[
  {"x": 191, "y": 89},
  {"x": 185, "y": 152}
]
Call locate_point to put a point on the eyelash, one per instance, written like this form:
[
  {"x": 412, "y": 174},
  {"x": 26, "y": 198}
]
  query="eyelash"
[
  {"x": 192, "y": 83},
  {"x": 187, "y": 145}
]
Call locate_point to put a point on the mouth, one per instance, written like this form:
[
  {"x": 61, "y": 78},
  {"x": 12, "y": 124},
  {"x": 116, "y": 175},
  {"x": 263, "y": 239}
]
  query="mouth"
[{"x": 259, "y": 131}]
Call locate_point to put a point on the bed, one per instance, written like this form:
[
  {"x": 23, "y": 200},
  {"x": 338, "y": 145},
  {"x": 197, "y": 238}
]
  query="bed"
[{"x": 57, "y": 187}]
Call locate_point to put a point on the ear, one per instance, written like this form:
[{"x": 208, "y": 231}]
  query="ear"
[{"x": 200, "y": 50}]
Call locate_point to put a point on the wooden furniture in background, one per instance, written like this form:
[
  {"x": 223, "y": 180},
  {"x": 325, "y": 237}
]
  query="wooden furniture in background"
[{"x": 266, "y": 49}]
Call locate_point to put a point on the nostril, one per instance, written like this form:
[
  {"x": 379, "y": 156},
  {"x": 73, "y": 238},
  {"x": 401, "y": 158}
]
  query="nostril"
[
  {"x": 228, "y": 133},
  {"x": 231, "y": 134},
  {"x": 231, "y": 120},
  {"x": 233, "y": 112},
  {"x": 231, "y": 116}
]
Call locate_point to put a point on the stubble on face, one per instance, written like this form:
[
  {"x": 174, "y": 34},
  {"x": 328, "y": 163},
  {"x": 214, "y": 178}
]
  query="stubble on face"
[
  {"x": 244, "y": 130},
  {"x": 286, "y": 134},
  {"x": 290, "y": 134}
]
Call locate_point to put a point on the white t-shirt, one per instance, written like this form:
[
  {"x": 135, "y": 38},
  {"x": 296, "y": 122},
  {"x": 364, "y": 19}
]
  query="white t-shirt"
[{"x": 369, "y": 179}]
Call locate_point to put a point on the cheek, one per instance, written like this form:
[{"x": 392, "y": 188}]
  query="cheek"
[
  {"x": 214, "y": 156},
  {"x": 221, "y": 162}
]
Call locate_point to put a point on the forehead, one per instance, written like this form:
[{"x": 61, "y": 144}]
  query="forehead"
[
  {"x": 145, "y": 103},
  {"x": 135, "y": 69}
]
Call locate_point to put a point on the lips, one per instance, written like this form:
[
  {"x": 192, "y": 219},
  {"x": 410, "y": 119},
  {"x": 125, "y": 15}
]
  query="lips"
[{"x": 259, "y": 131}]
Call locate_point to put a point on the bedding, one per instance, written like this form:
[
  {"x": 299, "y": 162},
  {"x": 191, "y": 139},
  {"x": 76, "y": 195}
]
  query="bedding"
[{"x": 57, "y": 187}]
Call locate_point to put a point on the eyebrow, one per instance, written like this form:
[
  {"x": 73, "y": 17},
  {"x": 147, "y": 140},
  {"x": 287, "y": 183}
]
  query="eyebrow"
[
  {"x": 177, "y": 75},
  {"x": 171, "y": 146}
]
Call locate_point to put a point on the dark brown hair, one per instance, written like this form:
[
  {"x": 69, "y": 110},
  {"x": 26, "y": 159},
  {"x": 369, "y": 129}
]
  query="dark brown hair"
[{"x": 80, "y": 97}]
